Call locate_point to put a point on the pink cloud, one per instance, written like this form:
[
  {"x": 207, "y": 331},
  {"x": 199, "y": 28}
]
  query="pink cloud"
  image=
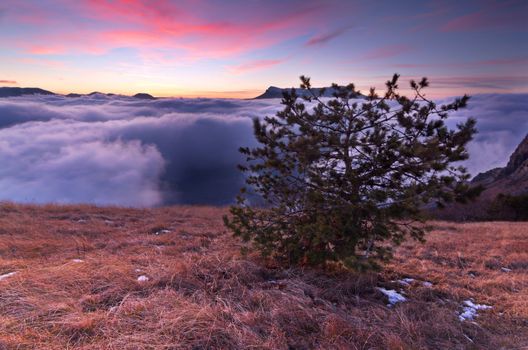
[
  {"x": 503, "y": 15},
  {"x": 29, "y": 13},
  {"x": 413, "y": 65},
  {"x": 43, "y": 50},
  {"x": 8, "y": 82},
  {"x": 480, "y": 83},
  {"x": 42, "y": 62},
  {"x": 324, "y": 38},
  {"x": 507, "y": 61},
  {"x": 161, "y": 24},
  {"x": 160, "y": 16},
  {"x": 492, "y": 62},
  {"x": 452, "y": 85},
  {"x": 255, "y": 65},
  {"x": 386, "y": 52}
]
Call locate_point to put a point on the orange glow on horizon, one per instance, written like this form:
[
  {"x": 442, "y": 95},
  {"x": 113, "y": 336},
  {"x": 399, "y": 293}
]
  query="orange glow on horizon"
[{"x": 168, "y": 93}]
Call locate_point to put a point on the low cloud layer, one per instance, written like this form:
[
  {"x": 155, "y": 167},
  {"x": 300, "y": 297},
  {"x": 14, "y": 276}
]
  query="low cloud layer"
[
  {"x": 125, "y": 151},
  {"x": 502, "y": 123}
]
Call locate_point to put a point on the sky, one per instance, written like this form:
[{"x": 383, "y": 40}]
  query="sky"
[{"x": 236, "y": 49}]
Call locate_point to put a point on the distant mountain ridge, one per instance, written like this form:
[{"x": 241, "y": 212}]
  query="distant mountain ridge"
[
  {"x": 19, "y": 91},
  {"x": 277, "y": 92},
  {"x": 271, "y": 92}
]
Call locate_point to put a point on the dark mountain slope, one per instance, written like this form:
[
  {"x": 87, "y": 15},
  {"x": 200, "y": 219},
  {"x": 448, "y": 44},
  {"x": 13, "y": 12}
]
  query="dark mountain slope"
[
  {"x": 511, "y": 180},
  {"x": 17, "y": 91},
  {"x": 276, "y": 92}
]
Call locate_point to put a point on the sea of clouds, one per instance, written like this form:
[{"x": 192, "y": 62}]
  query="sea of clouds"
[{"x": 116, "y": 150}]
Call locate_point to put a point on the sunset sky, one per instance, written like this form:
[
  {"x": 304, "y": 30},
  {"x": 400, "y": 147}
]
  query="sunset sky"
[{"x": 238, "y": 48}]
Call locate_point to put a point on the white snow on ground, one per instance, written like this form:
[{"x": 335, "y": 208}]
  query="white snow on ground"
[
  {"x": 470, "y": 310},
  {"x": 77, "y": 260},
  {"x": 4, "y": 276},
  {"x": 162, "y": 232},
  {"x": 406, "y": 281},
  {"x": 505, "y": 269},
  {"x": 142, "y": 278},
  {"x": 394, "y": 296}
]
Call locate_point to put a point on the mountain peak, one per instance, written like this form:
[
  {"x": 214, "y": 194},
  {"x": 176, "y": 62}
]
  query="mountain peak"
[
  {"x": 277, "y": 92},
  {"x": 144, "y": 96},
  {"x": 518, "y": 158}
]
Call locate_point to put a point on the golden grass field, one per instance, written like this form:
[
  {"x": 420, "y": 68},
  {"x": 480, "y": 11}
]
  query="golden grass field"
[{"x": 202, "y": 294}]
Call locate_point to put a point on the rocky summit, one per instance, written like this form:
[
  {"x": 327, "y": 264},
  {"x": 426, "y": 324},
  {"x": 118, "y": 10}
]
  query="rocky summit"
[{"x": 512, "y": 179}]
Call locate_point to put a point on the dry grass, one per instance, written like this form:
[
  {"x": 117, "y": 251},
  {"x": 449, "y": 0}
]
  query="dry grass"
[{"x": 201, "y": 294}]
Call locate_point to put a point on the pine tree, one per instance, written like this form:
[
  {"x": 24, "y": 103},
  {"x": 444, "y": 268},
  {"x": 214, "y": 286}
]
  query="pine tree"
[{"x": 344, "y": 180}]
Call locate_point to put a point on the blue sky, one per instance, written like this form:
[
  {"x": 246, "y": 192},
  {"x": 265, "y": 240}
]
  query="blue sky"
[{"x": 238, "y": 48}]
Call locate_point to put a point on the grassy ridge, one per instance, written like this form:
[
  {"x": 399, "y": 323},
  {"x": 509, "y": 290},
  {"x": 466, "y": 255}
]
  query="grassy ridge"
[{"x": 76, "y": 286}]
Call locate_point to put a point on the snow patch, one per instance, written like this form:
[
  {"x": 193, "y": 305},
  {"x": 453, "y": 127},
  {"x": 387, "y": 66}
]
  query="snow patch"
[
  {"x": 142, "y": 278},
  {"x": 4, "y": 276},
  {"x": 505, "y": 269},
  {"x": 406, "y": 281},
  {"x": 77, "y": 260},
  {"x": 160, "y": 232},
  {"x": 469, "y": 310},
  {"x": 394, "y": 296}
]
